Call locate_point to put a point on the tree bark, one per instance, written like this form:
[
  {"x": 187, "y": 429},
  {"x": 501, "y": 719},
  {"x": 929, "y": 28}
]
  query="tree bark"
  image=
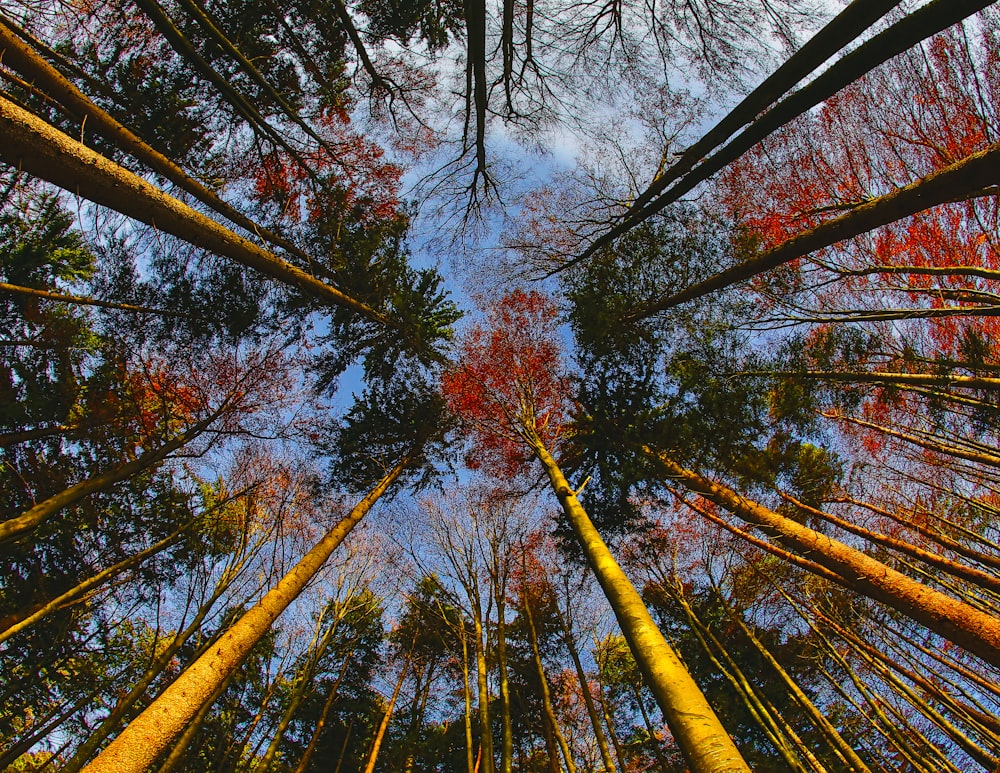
[
  {"x": 912, "y": 29},
  {"x": 966, "y": 178},
  {"x": 588, "y": 699},
  {"x": 976, "y": 631},
  {"x": 543, "y": 685},
  {"x": 153, "y": 730},
  {"x": 485, "y": 724},
  {"x": 384, "y": 724},
  {"x": 30, "y": 519},
  {"x": 31, "y": 145},
  {"x": 24, "y": 59},
  {"x": 703, "y": 740},
  {"x": 12, "y": 624}
]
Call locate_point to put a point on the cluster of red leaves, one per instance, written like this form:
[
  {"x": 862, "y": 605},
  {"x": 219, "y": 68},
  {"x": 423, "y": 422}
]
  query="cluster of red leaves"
[
  {"x": 156, "y": 398},
  {"x": 366, "y": 184},
  {"x": 919, "y": 113},
  {"x": 508, "y": 384}
]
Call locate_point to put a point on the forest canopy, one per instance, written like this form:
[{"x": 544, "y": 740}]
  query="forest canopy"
[{"x": 465, "y": 386}]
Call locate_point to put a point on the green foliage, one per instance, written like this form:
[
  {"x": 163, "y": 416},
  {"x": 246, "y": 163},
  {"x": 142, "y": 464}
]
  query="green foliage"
[
  {"x": 404, "y": 417},
  {"x": 434, "y": 23}
]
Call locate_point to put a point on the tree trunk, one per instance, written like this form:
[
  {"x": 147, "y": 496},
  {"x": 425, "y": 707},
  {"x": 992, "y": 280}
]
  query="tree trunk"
[
  {"x": 22, "y": 619},
  {"x": 467, "y": 695},
  {"x": 24, "y": 59},
  {"x": 976, "y": 631},
  {"x": 543, "y": 685},
  {"x": 846, "y": 27},
  {"x": 818, "y": 719},
  {"x": 966, "y": 178},
  {"x": 299, "y": 691},
  {"x": 30, "y": 144},
  {"x": 970, "y": 574},
  {"x": 154, "y": 729},
  {"x": 507, "y": 744},
  {"x": 321, "y": 722},
  {"x": 30, "y": 519},
  {"x": 384, "y": 724},
  {"x": 703, "y": 740},
  {"x": 485, "y": 724},
  {"x": 609, "y": 720},
  {"x": 176, "y": 756},
  {"x": 913, "y": 379},
  {"x": 905, "y": 33},
  {"x": 124, "y": 708},
  {"x": 588, "y": 699}
]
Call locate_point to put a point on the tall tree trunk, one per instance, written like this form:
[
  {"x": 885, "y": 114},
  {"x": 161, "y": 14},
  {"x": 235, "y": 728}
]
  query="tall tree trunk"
[
  {"x": 966, "y": 178},
  {"x": 467, "y": 695},
  {"x": 818, "y": 719},
  {"x": 124, "y": 708},
  {"x": 31, "y": 518},
  {"x": 507, "y": 743},
  {"x": 30, "y": 144},
  {"x": 154, "y": 729},
  {"x": 985, "y": 580},
  {"x": 300, "y": 690},
  {"x": 22, "y": 619},
  {"x": 609, "y": 720},
  {"x": 917, "y": 379},
  {"x": 482, "y": 674},
  {"x": 588, "y": 698},
  {"x": 36, "y": 69},
  {"x": 543, "y": 685},
  {"x": 905, "y": 33},
  {"x": 383, "y": 726},
  {"x": 726, "y": 665},
  {"x": 703, "y": 740},
  {"x": 321, "y": 722},
  {"x": 179, "y": 749},
  {"x": 976, "y": 631}
]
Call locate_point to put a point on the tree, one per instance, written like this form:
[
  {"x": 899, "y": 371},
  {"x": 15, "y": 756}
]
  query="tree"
[
  {"x": 218, "y": 219},
  {"x": 510, "y": 392}
]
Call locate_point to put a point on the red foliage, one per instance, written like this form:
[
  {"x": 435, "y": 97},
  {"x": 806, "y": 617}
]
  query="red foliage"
[
  {"x": 508, "y": 384},
  {"x": 365, "y": 183},
  {"x": 157, "y": 399},
  {"x": 918, "y": 113}
]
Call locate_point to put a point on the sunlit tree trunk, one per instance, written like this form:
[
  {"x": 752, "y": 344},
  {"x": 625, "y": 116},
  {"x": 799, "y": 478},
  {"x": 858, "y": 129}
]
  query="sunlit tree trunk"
[
  {"x": 819, "y": 720},
  {"x": 775, "y": 729},
  {"x": 124, "y": 707},
  {"x": 383, "y": 726},
  {"x": 179, "y": 749},
  {"x": 157, "y": 726},
  {"x": 879, "y": 712},
  {"x": 25, "y": 618},
  {"x": 36, "y": 69},
  {"x": 300, "y": 690},
  {"x": 955, "y": 620},
  {"x": 588, "y": 698},
  {"x": 467, "y": 696},
  {"x": 702, "y": 738},
  {"x": 30, "y": 144},
  {"x": 30, "y": 519},
  {"x": 543, "y": 686},
  {"x": 482, "y": 676},
  {"x": 321, "y": 722},
  {"x": 609, "y": 719},
  {"x": 507, "y": 744}
]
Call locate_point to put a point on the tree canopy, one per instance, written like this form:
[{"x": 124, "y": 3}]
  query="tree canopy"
[{"x": 435, "y": 386}]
